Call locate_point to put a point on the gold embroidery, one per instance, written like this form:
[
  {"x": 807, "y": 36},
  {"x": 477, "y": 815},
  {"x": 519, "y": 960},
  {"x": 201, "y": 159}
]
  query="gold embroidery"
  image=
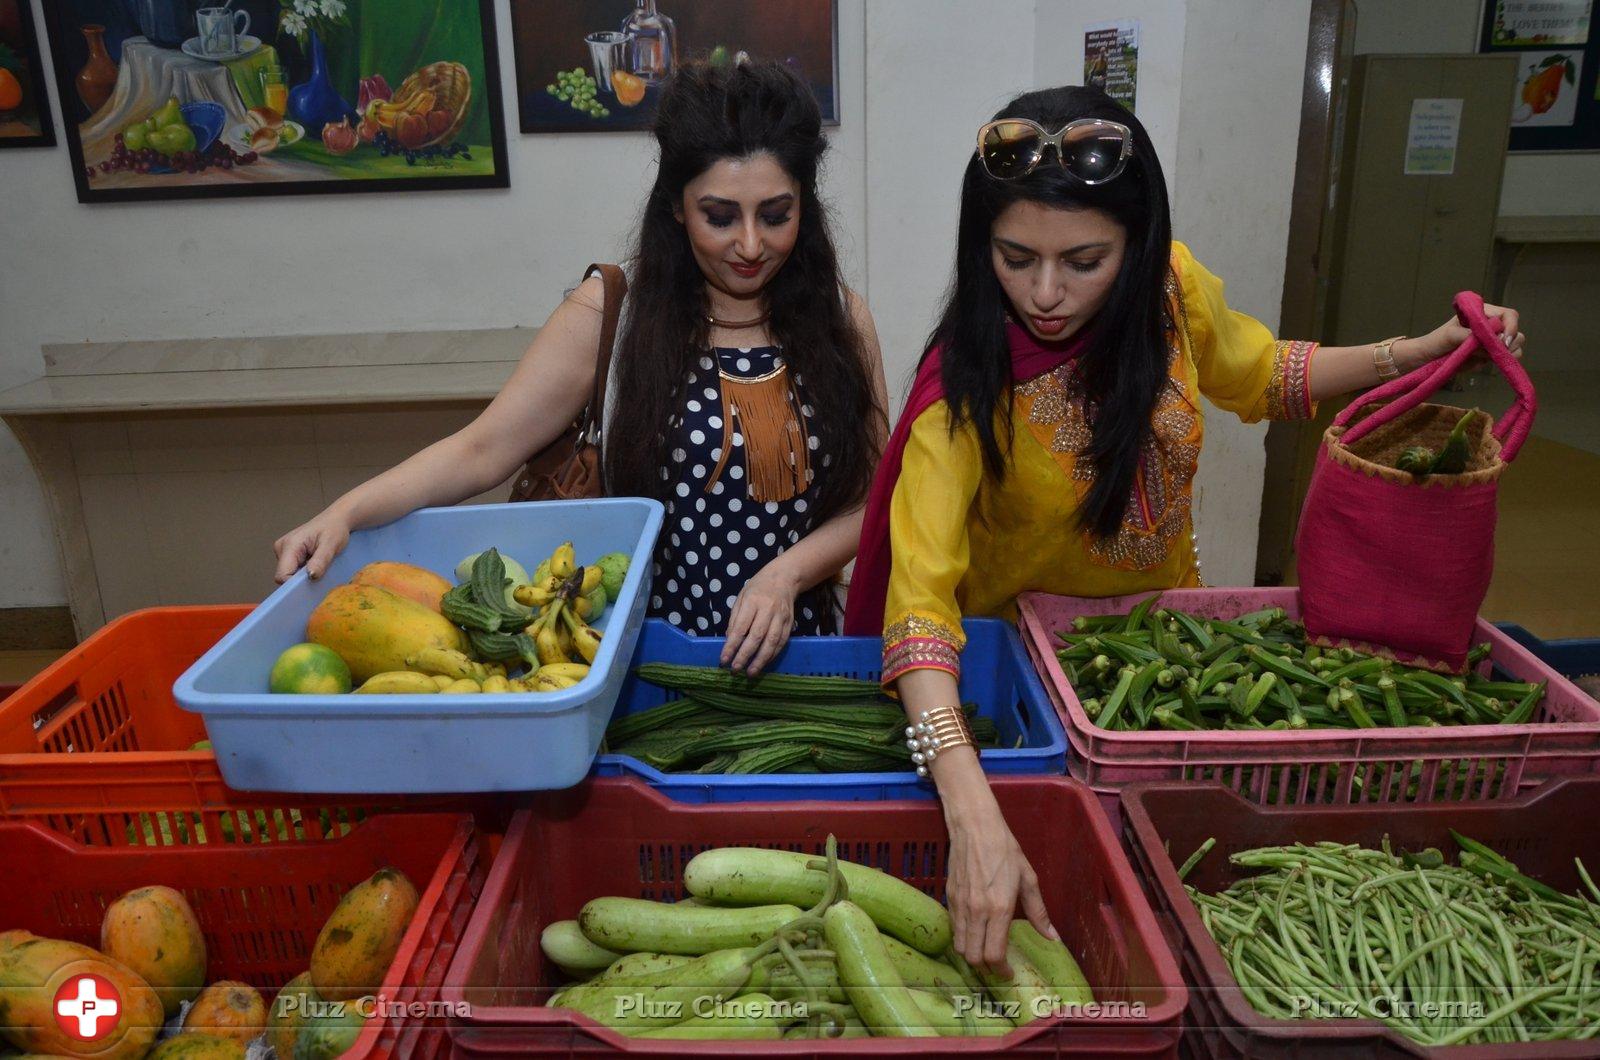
[
  {"x": 1289, "y": 390},
  {"x": 918, "y": 642}
]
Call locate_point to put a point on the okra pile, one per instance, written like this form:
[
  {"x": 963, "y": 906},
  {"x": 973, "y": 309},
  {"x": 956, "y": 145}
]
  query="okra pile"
[
  {"x": 776, "y": 944},
  {"x": 1162, "y": 668},
  {"x": 1463, "y": 954},
  {"x": 774, "y": 723}
]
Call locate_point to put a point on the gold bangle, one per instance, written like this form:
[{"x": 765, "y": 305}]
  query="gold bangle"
[
  {"x": 1383, "y": 359},
  {"x": 939, "y": 729}
]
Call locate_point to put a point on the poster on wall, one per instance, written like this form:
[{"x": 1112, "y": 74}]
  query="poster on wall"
[
  {"x": 24, "y": 103},
  {"x": 1111, "y": 59},
  {"x": 1555, "y": 105},
  {"x": 179, "y": 99},
  {"x": 599, "y": 65}
]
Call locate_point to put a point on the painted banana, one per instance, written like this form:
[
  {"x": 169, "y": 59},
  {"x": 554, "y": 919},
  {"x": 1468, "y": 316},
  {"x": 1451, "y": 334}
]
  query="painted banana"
[{"x": 398, "y": 682}]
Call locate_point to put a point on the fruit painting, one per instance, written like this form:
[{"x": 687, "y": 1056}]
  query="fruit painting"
[
  {"x": 1555, "y": 100},
  {"x": 24, "y": 104},
  {"x": 166, "y": 99},
  {"x": 1547, "y": 88},
  {"x": 599, "y": 65}
]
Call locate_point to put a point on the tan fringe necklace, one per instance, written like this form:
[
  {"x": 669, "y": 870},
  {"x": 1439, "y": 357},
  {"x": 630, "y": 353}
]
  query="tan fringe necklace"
[{"x": 777, "y": 460}]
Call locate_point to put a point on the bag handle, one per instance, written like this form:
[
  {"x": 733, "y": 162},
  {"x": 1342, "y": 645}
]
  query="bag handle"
[
  {"x": 1412, "y": 389},
  {"x": 591, "y": 423}
]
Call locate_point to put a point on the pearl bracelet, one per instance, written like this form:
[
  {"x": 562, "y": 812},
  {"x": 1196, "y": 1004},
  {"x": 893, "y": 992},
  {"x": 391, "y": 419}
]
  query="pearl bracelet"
[{"x": 940, "y": 729}]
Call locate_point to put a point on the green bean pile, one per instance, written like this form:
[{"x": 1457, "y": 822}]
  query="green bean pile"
[
  {"x": 1161, "y": 668},
  {"x": 1445, "y": 954}
]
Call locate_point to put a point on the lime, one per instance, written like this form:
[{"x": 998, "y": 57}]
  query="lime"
[{"x": 310, "y": 669}]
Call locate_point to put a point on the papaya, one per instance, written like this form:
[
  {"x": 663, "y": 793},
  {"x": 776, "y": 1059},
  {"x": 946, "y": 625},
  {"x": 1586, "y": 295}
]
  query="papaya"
[
  {"x": 291, "y": 1010},
  {"x": 34, "y": 969},
  {"x": 375, "y": 630},
  {"x": 328, "y": 1037},
  {"x": 153, "y": 931},
  {"x": 198, "y": 1047},
  {"x": 11, "y": 938},
  {"x": 403, "y": 579},
  {"x": 360, "y": 938},
  {"x": 228, "y": 1009}
]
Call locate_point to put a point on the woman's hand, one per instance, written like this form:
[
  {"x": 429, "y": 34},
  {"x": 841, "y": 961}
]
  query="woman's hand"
[
  {"x": 989, "y": 878},
  {"x": 762, "y": 619},
  {"x": 1442, "y": 340},
  {"x": 313, "y": 545}
]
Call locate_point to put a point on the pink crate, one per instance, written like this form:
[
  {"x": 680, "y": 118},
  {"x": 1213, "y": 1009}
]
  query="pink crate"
[{"x": 1458, "y": 763}]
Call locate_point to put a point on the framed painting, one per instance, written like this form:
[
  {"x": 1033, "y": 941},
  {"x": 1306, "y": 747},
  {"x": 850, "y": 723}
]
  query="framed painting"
[
  {"x": 24, "y": 102},
  {"x": 1556, "y": 103},
  {"x": 178, "y": 99},
  {"x": 598, "y": 65}
]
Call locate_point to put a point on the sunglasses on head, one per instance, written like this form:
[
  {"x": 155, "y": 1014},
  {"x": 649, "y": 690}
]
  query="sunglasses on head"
[{"x": 1091, "y": 150}]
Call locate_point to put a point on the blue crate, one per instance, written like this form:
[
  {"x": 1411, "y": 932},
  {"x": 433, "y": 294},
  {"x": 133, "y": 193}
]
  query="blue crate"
[
  {"x": 424, "y": 743},
  {"x": 995, "y": 673},
  {"x": 1574, "y": 657}
]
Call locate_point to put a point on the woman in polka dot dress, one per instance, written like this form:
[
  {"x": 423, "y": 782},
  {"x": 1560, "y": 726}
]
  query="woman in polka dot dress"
[{"x": 746, "y": 389}]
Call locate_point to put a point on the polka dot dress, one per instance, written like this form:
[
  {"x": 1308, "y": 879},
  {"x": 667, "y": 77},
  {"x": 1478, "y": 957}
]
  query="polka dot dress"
[{"x": 713, "y": 541}]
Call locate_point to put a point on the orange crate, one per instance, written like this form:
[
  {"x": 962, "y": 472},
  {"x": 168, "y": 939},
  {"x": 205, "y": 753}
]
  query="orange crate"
[
  {"x": 96, "y": 748},
  {"x": 261, "y": 907}
]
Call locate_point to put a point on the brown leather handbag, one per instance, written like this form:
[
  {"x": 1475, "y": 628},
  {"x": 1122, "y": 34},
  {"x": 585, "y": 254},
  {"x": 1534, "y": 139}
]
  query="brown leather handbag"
[{"x": 569, "y": 468}]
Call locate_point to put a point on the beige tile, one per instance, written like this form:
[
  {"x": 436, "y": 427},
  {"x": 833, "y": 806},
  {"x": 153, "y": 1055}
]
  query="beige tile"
[
  {"x": 232, "y": 442},
  {"x": 367, "y": 438},
  {"x": 100, "y": 446},
  {"x": 114, "y": 518}
]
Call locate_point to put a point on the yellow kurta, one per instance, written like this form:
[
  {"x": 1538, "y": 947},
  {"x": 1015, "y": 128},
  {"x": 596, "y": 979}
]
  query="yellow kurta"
[{"x": 965, "y": 544}]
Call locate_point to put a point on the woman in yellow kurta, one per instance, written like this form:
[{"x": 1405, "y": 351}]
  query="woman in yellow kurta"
[{"x": 1051, "y": 438}]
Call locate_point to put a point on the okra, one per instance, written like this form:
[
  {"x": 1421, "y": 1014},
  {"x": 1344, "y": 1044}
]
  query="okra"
[{"x": 1391, "y": 702}]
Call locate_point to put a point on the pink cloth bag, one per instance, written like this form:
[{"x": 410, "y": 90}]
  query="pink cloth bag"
[{"x": 1393, "y": 563}]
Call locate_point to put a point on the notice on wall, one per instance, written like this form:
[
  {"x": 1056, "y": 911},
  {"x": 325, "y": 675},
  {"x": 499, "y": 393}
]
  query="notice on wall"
[
  {"x": 1435, "y": 131},
  {"x": 1111, "y": 59},
  {"x": 1521, "y": 23}
]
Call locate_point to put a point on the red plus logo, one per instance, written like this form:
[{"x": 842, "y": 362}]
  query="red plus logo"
[{"x": 87, "y": 1007}]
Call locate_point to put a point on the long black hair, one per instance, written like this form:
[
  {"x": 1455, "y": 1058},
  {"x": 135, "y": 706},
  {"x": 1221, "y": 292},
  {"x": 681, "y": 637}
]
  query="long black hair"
[
  {"x": 707, "y": 114},
  {"x": 1125, "y": 364}
]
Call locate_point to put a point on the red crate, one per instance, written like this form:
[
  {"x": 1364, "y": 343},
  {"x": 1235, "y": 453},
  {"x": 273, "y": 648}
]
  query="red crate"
[
  {"x": 262, "y": 906},
  {"x": 1541, "y": 832},
  {"x": 1459, "y": 762},
  {"x": 96, "y": 748},
  {"x": 617, "y": 836}
]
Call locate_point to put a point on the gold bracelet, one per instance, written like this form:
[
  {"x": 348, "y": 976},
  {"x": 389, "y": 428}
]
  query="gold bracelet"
[
  {"x": 940, "y": 729},
  {"x": 1383, "y": 359}
]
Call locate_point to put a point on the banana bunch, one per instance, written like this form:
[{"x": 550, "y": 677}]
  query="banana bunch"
[
  {"x": 386, "y": 113},
  {"x": 565, "y": 596}
]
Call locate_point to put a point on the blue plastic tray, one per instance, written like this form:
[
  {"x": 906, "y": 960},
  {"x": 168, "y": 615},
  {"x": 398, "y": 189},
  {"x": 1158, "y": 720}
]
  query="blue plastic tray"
[
  {"x": 424, "y": 743},
  {"x": 995, "y": 674},
  {"x": 1573, "y": 657}
]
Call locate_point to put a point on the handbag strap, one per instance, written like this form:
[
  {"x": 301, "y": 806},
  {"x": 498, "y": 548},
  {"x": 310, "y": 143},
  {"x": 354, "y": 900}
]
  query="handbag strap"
[
  {"x": 591, "y": 425},
  {"x": 1412, "y": 389}
]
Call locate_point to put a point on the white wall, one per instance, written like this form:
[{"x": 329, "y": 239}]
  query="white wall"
[
  {"x": 1539, "y": 184},
  {"x": 1209, "y": 79}
]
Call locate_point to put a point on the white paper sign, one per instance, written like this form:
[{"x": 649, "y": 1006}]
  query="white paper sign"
[
  {"x": 1519, "y": 23},
  {"x": 1435, "y": 131}
]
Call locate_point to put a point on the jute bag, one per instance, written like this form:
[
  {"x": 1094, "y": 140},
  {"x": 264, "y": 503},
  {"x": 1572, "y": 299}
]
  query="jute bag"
[
  {"x": 569, "y": 468},
  {"x": 1392, "y": 562}
]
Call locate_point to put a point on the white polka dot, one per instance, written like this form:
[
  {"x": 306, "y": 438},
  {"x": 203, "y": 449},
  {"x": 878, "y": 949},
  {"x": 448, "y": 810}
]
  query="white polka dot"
[
  {"x": 700, "y": 504},
  {"x": 743, "y": 363},
  {"x": 736, "y": 471},
  {"x": 808, "y": 410},
  {"x": 811, "y": 476},
  {"x": 738, "y": 438},
  {"x": 711, "y": 394},
  {"x": 716, "y": 490},
  {"x": 715, "y": 553},
  {"x": 716, "y": 520},
  {"x": 696, "y": 591},
  {"x": 672, "y": 584},
  {"x": 675, "y": 542},
  {"x": 716, "y": 422},
  {"x": 783, "y": 520},
  {"x": 733, "y": 537},
  {"x": 732, "y": 600},
  {"x": 706, "y": 363},
  {"x": 687, "y": 523},
  {"x": 733, "y": 572},
  {"x": 753, "y": 522},
  {"x": 694, "y": 406},
  {"x": 715, "y": 586},
  {"x": 697, "y": 437},
  {"x": 735, "y": 504},
  {"x": 807, "y": 612},
  {"x": 800, "y": 504},
  {"x": 701, "y": 623},
  {"x": 655, "y": 601},
  {"x": 675, "y": 618},
  {"x": 812, "y": 444},
  {"x": 699, "y": 471},
  {"x": 693, "y": 378},
  {"x": 772, "y": 507},
  {"x": 771, "y": 539},
  {"x": 691, "y": 557},
  {"x": 751, "y": 554},
  {"x": 664, "y": 475},
  {"x": 827, "y": 459},
  {"x": 744, "y": 349},
  {"x": 683, "y": 490}
]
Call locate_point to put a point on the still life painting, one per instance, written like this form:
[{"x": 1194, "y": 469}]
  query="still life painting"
[{"x": 24, "y": 104}]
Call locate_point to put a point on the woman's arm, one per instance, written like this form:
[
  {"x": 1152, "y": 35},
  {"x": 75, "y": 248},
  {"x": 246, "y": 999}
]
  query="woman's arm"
[
  {"x": 764, "y": 614},
  {"x": 1340, "y": 369},
  {"x": 550, "y": 386}
]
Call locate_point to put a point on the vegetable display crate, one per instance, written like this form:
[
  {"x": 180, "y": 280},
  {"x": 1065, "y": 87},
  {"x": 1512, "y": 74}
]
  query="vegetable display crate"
[
  {"x": 425, "y": 743},
  {"x": 1456, "y": 762},
  {"x": 95, "y": 747},
  {"x": 261, "y": 907},
  {"x": 1571, "y": 657},
  {"x": 996, "y": 674},
  {"x": 1541, "y": 833},
  {"x": 617, "y": 836}
]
